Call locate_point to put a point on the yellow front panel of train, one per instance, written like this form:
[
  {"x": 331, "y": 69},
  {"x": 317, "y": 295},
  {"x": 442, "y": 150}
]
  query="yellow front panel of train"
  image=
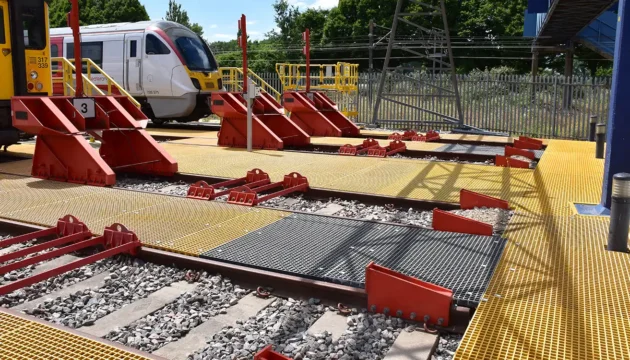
[
  {"x": 38, "y": 72},
  {"x": 6, "y": 60}
]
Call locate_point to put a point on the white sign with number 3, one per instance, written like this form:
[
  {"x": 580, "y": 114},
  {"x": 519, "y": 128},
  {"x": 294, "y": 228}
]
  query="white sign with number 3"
[{"x": 85, "y": 107}]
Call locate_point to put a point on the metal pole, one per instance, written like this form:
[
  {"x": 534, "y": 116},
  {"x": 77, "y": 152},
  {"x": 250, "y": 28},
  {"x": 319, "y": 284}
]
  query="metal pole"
[
  {"x": 73, "y": 20},
  {"x": 447, "y": 34},
  {"x": 618, "y": 145},
  {"x": 619, "y": 213},
  {"x": 307, "y": 52},
  {"x": 600, "y": 140},
  {"x": 388, "y": 55},
  {"x": 371, "y": 70},
  {"x": 593, "y": 128},
  {"x": 242, "y": 41}
]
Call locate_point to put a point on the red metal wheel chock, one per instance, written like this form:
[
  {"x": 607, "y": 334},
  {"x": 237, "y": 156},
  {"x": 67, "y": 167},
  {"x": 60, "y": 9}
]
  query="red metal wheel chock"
[
  {"x": 512, "y": 151},
  {"x": 395, "y": 294},
  {"x": 420, "y": 138},
  {"x": 446, "y": 221},
  {"x": 268, "y": 354},
  {"x": 432, "y": 135},
  {"x": 394, "y": 147},
  {"x": 470, "y": 200},
  {"x": 202, "y": 191},
  {"x": 63, "y": 154},
  {"x": 249, "y": 196},
  {"x": 504, "y": 161},
  {"x": 116, "y": 239},
  {"x": 520, "y": 144},
  {"x": 352, "y": 150},
  {"x": 407, "y": 135}
]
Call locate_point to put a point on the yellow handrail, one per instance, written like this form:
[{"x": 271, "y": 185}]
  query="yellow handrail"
[
  {"x": 233, "y": 77},
  {"x": 67, "y": 79}
]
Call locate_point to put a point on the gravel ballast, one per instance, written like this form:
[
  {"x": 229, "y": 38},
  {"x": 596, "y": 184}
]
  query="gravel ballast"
[
  {"x": 212, "y": 296},
  {"x": 447, "y": 346},
  {"x": 130, "y": 280}
]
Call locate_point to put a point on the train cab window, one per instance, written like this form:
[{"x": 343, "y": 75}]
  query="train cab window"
[
  {"x": 3, "y": 38},
  {"x": 89, "y": 50},
  {"x": 34, "y": 25},
  {"x": 155, "y": 47}
]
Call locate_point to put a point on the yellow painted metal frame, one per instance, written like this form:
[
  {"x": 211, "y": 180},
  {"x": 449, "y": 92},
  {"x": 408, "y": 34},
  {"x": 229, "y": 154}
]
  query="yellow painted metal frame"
[
  {"x": 233, "y": 81},
  {"x": 68, "y": 79},
  {"x": 342, "y": 78}
]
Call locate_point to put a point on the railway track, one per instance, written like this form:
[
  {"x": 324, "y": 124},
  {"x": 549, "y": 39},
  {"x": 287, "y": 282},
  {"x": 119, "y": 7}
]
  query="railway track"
[{"x": 176, "y": 307}]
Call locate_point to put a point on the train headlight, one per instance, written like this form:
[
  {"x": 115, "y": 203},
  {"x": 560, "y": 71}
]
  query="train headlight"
[
  {"x": 34, "y": 75},
  {"x": 39, "y": 86}
]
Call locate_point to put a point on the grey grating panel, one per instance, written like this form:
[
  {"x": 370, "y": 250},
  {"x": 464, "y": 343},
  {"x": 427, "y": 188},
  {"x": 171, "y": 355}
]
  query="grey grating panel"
[
  {"x": 338, "y": 250},
  {"x": 479, "y": 149}
]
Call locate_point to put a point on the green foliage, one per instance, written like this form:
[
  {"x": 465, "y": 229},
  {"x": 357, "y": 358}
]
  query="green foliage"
[
  {"x": 176, "y": 14},
  {"x": 98, "y": 12}
]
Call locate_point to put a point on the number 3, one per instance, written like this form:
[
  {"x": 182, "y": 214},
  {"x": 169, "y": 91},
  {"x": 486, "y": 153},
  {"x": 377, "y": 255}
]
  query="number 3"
[{"x": 84, "y": 108}]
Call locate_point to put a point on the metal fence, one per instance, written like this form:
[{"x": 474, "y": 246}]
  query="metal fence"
[{"x": 547, "y": 106}]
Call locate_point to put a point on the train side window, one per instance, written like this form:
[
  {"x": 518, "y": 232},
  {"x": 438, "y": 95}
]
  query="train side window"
[
  {"x": 3, "y": 39},
  {"x": 155, "y": 47},
  {"x": 89, "y": 50},
  {"x": 133, "y": 48},
  {"x": 54, "y": 52}
]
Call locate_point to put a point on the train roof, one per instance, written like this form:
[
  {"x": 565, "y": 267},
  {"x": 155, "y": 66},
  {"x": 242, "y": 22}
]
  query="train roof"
[{"x": 117, "y": 27}]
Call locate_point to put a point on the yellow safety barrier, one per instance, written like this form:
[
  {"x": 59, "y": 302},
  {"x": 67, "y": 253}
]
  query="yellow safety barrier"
[
  {"x": 67, "y": 78},
  {"x": 341, "y": 78},
  {"x": 233, "y": 81}
]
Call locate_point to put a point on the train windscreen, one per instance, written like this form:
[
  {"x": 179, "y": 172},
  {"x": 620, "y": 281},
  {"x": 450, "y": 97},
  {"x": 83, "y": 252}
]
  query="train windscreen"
[{"x": 194, "y": 50}]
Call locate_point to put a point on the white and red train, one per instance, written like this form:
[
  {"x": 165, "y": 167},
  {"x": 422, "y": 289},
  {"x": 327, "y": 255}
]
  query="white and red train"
[{"x": 168, "y": 68}]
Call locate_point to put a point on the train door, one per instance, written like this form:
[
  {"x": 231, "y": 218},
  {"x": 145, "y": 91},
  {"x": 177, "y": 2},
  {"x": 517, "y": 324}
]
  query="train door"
[
  {"x": 133, "y": 64},
  {"x": 6, "y": 58}
]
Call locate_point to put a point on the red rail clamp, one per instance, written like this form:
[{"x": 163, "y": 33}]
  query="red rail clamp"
[
  {"x": 407, "y": 135},
  {"x": 512, "y": 151},
  {"x": 202, "y": 191},
  {"x": 446, "y": 221},
  {"x": 471, "y": 200},
  {"x": 116, "y": 240},
  {"x": 268, "y": 354},
  {"x": 432, "y": 136},
  {"x": 504, "y": 161},
  {"x": 249, "y": 196},
  {"x": 352, "y": 150},
  {"x": 394, "y": 147},
  {"x": 395, "y": 294}
]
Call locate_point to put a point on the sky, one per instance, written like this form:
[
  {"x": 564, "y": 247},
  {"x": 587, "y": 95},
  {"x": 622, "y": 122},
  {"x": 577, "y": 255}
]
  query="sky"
[{"x": 219, "y": 18}]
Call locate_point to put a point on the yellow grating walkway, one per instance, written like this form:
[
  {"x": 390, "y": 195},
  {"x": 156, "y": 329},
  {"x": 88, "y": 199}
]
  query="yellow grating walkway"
[
  {"x": 23, "y": 338},
  {"x": 163, "y": 222}
]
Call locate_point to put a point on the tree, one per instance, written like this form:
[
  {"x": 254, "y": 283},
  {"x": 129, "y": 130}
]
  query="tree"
[
  {"x": 176, "y": 14},
  {"x": 98, "y": 12}
]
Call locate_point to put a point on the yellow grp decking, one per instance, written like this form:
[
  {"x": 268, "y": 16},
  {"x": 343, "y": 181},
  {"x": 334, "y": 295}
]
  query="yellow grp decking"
[
  {"x": 556, "y": 293},
  {"x": 23, "y": 338}
]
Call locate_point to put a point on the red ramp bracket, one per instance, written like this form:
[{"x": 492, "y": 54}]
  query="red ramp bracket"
[
  {"x": 406, "y": 297},
  {"x": 305, "y": 114},
  {"x": 202, "y": 191},
  {"x": 247, "y": 196},
  {"x": 268, "y": 354},
  {"x": 446, "y": 221},
  {"x": 531, "y": 140},
  {"x": 471, "y": 200},
  {"x": 512, "y": 151},
  {"x": 520, "y": 144}
]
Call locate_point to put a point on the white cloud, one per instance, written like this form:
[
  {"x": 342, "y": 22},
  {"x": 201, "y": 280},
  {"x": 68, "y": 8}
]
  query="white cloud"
[
  {"x": 324, "y": 4},
  {"x": 224, "y": 36},
  {"x": 252, "y": 22},
  {"x": 214, "y": 26}
]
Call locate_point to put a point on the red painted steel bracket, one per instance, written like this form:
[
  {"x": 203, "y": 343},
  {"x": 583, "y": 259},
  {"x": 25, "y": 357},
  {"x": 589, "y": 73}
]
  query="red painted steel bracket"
[
  {"x": 432, "y": 136},
  {"x": 531, "y": 140},
  {"x": 520, "y": 144},
  {"x": 470, "y": 200},
  {"x": 202, "y": 191},
  {"x": 446, "y": 221},
  {"x": 504, "y": 161},
  {"x": 247, "y": 196},
  {"x": 268, "y": 354},
  {"x": 512, "y": 151},
  {"x": 395, "y": 136},
  {"x": 407, "y": 135},
  {"x": 116, "y": 240},
  {"x": 395, "y": 294},
  {"x": 394, "y": 147},
  {"x": 66, "y": 226},
  {"x": 420, "y": 138},
  {"x": 348, "y": 150}
]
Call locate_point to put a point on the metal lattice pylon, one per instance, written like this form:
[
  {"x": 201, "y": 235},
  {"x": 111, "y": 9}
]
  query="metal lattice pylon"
[{"x": 436, "y": 40}]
